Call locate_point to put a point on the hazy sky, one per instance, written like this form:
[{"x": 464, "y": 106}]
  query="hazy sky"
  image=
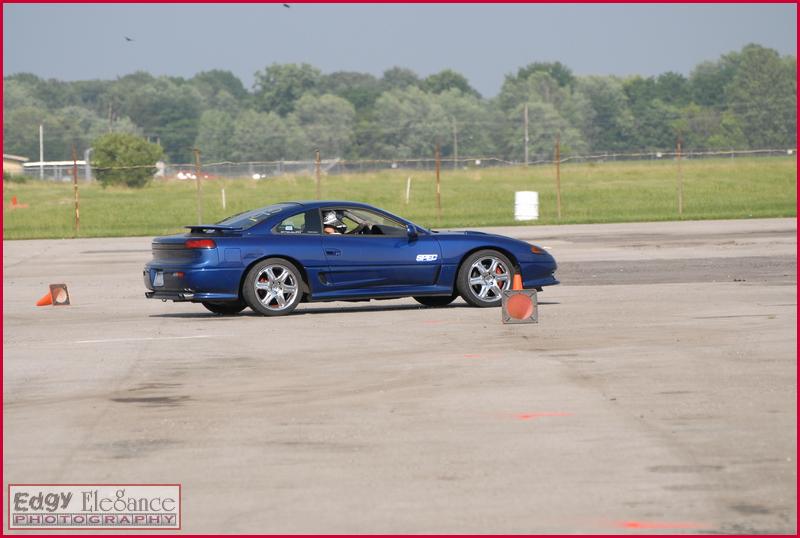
[{"x": 483, "y": 42}]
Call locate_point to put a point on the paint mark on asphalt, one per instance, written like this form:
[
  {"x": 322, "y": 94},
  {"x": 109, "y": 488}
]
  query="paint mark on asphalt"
[{"x": 664, "y": 525}]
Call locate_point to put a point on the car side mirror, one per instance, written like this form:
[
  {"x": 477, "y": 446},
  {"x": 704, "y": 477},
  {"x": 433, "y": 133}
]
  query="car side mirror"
[{"x": 411, "y": 231}]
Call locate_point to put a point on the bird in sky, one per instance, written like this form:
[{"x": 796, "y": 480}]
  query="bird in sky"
[
  {"x": 286, "y": 5},
  {"x": 128, "y": 38}
]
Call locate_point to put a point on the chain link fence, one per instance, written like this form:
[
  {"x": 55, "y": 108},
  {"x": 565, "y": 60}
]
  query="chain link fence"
[{"x": 63, "y": 170}]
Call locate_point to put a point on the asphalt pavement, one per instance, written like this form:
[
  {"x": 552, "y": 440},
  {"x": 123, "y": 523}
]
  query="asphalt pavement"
[{"x": 656, "y": 394}]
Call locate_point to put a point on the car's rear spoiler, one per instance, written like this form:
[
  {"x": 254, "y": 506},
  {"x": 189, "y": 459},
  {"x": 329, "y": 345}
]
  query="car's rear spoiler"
[{"x": 212, "y": 228}]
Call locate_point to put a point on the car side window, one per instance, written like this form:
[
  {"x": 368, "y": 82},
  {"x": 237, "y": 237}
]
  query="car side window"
[
  {"x": 364, "y": 223},
  {"x": 300, "y": 223},
  {"x": 376, "y": 218},
  {"x": 350, "y": 223}
]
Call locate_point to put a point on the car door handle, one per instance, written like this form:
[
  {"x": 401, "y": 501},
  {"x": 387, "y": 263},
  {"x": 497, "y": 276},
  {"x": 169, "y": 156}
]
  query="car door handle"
[{"x": 333, "y": 252}]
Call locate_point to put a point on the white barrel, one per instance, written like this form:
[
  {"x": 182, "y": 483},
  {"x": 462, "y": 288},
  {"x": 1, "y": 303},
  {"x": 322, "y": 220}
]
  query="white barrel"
[{"x": 526, "y": 205}]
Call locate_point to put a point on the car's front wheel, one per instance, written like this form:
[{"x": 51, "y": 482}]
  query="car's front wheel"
[
  {"x": 273, "y": 287},
  {"x": 437, "y": 300},
  {"x": 227, "y": 308},
  {"x": 483, "y": 276}
]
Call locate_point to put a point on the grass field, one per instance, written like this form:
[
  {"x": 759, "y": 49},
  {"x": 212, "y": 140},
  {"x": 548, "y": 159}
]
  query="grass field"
[{"x": 598, "y": 192}]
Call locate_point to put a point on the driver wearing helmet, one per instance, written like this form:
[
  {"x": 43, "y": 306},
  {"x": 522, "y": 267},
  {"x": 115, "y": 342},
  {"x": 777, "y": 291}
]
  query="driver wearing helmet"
[{"x": 332, "y": 223}]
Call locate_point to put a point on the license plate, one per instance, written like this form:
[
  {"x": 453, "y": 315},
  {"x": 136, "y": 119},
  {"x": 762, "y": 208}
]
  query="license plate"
[{"x": 158, "y": 278}]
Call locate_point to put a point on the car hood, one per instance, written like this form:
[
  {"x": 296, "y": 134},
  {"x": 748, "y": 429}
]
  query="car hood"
[
  {"x": 482, "y": 237},
  {"x": 459, "y": 232},
  {"x": 467, "y": 233}
]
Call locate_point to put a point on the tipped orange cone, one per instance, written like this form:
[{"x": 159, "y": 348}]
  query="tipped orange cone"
[
  {"x": 517, "y": 285},
  {"x": 58, "y": 296}
]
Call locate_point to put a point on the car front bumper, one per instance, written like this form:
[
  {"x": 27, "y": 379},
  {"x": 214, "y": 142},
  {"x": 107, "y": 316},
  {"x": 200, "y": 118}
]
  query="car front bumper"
[{"x": 537, "y": 274}]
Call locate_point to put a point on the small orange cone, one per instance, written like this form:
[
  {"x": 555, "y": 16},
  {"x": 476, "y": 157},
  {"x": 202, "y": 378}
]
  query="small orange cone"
[
  {"x": 14, "y": 201},
  {"x": 519, "y": 305},
  {"x": 58, "y": 296},
  {"x": 45, "y": 300}
]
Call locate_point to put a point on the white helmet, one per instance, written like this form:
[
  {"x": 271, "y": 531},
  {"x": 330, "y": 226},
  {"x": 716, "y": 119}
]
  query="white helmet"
[{"x": 330, "y": 218}]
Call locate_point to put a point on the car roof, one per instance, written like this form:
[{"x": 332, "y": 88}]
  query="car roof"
[
  {"x": 312, "y": 204},
  {"x": 316, "y": 204}
]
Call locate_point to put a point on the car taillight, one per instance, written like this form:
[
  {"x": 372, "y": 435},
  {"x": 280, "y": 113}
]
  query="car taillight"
[{"x": 200, "y": 243}]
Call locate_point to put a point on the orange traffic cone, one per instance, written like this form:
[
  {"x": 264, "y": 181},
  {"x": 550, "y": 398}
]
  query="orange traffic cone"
[
  {"x": 58, "y": 296},
  {"x": 46, "y": 299},
  {"x": 519, "y": 305},
  {"x": 16, "y": 205},
  {"x": 13, "y": 201}
]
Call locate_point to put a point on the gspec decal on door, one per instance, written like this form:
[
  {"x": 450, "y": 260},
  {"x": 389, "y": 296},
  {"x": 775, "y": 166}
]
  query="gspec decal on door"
[{"x": 427, "y": 257}]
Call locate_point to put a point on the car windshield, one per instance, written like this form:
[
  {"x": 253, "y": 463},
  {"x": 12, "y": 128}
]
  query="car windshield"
[{"x": 248, "y": 219}]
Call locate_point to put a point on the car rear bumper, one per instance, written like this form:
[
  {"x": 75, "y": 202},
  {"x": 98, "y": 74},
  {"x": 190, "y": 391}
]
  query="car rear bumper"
[
  {"x": 181, "y": 283},
  {"x": 190, "y": 296}
]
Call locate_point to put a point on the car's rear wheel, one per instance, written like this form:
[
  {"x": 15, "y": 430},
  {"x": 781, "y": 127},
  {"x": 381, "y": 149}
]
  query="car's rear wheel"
[
  {"x": 483, "y": 276},
  {"x": 438, "y": 300},
  {"x": 273, "y": 287},
  {"x": 228, "y": 308}
]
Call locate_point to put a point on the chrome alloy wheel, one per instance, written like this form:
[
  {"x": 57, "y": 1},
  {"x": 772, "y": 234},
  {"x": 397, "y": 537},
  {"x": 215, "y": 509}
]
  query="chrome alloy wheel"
[
  {"x": 276, "y": 287},
  {"x": 488, "y": 277}
]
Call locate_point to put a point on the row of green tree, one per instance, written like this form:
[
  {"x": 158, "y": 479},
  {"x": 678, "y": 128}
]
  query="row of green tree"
[{"x": 744, "y": 99}]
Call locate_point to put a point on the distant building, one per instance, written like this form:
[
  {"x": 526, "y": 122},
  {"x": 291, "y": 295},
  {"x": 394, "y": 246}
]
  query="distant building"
[
  {"x": 56, "y": 170},
  {"x": 12, "y": 164}
]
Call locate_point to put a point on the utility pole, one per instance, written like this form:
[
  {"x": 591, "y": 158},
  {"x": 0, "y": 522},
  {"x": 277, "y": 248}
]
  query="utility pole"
[
  {"x": 438, "y": 185},
  {"x": 197, "y": 169},
  {"x": 455, "y": 145},
  {"x": 75, "y": 188},
  {"x": 317, "y": 166},
  {"x": 558, "y": 174},
  {"x": 680, "y": 178},
  {"x": 41, "y": 151},
  {"x": 525, "y": 121}
]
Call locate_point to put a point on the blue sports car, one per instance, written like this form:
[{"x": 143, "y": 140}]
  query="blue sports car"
[{"x": 273, "y": 258}]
